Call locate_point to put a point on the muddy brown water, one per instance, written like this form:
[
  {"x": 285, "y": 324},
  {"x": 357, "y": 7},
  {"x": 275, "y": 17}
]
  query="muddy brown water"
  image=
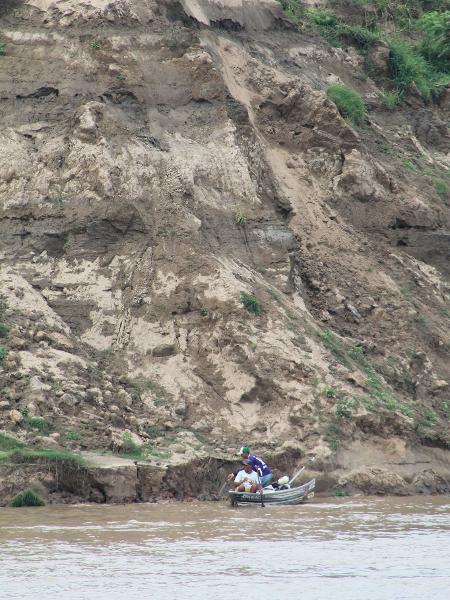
[{"x": 357, "y": 548}]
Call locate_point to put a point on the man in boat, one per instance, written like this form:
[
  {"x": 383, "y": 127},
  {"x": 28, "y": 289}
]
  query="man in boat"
[
  {"x": 259, "y": 466},
  {"x": 247, "y": 479}
]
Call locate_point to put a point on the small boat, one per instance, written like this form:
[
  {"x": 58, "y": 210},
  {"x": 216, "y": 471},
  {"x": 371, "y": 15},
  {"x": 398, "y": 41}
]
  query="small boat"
[{"x": 295, "y": 495}]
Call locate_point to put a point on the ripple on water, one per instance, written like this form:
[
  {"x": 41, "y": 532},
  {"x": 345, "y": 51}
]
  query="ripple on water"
[{"x": 374, "y": 549}]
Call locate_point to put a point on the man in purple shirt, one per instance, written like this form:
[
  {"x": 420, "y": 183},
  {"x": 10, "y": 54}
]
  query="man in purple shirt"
[{"x": 258, "y": 465}]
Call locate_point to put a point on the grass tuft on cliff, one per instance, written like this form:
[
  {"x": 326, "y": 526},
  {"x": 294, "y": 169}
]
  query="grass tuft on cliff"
[
  {"x": 348, "y": 102},
  {"x": 20, "y": 454},
  {"x": 27, "y": 498}
]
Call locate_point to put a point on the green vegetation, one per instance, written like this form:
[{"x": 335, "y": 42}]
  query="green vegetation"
[
  {"x": 130, "y": 448},
  {"x": 251, "y": 303},
  {"x": 21, "y": 454},
  {"x": 408, "y": 164},
  {"x": 332, "y": 343},
  {"x": 344, "y": 408},
  {"x": 380, "y": 395},
  {"x": 138, "y": 385},
  {"x": 390, "y": 100},
  {"x": 3, "y": 353},
  {"x": 446, "y": 408},
  {"x": 274, "y": 295},
  {"x": 4, "y": 330},
  {"x": 154, "y": 431},
  {"x": 7, "y": 442},
  {"x": 38, "y": 423},
  {"x": 426, "y": 420},
  {"x": 292, "y": 8},
  {"x": 240, "y": 219},
  {"x": 72, "y": 435},
  {"x": 27, "y": 498},
  {"x": 348, "y": 102},
  {"x": 95, "y": 45},
  {"x": 2, "y": 50},
  {"x": 341, "y": 493},
  {"x": 436, "y": 39},
  {"x": 407, "y": 66},
  {"x": 417, "y": 33},
  {"x": 441, "y": 186}
]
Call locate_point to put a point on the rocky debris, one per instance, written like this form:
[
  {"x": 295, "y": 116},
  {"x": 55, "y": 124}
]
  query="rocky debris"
[
  {"x": 246, "y": 14},
  {"x": 361, "y": 180},
  {"x": 432, "y": 130},
  {"x": 373, "y": 481},
  {"x": 430, "y": 482}
]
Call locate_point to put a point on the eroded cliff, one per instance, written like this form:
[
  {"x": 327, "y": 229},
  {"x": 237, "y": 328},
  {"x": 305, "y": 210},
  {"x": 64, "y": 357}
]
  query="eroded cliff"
[{"x": 198, "y": 250}]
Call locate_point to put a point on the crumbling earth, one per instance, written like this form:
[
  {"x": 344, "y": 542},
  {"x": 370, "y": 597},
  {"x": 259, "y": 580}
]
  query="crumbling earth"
[{"x": 160, "y": 159}]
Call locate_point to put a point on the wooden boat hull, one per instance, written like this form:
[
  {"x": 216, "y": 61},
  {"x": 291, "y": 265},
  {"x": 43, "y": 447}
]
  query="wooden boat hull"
[{"x": 296, "y": 495}]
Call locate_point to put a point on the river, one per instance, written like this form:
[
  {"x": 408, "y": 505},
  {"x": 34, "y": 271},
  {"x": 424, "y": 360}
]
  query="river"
[{"x": 355, "y": 548}]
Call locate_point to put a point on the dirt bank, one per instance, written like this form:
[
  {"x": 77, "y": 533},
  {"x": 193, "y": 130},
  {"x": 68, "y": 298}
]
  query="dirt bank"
[{"x": 198, "y": 251}]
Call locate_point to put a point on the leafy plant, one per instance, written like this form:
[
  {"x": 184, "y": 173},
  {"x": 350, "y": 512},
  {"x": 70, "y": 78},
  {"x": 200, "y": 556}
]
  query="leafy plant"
[
  {"x": 251, "y": 303},
  {"x": 348, "y": 102},
  {"x": 240, "y": 219},
  {"x": 72, "y": 435},
  {"x": 154, "y": 431},
  {"x": 2, "y": 50},
  {"x": 344, "y": 408},
  {"x": 27, "y": 498},
  {"x": 436, "y": 39},
  {"x": 3, "y": 353},
  {"x": 341, "y": 493},
  {"x": 95, "y": 45},
  {"x": 292, "y": 8},
  {"x": 4, "y": 330},
  {"x": 7, "y": 442},
  {"x": 38, "y": 423},
  {"x": 441, "y": 186},
  {"x": 321, "y": 16},
  {"x": 407, "y": 66},
  {"x": 390, "y": 100},
  {"x": 35, "y": 455}
]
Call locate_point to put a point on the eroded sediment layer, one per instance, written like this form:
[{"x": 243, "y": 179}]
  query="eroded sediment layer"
[{"x": 160, "y": 158}]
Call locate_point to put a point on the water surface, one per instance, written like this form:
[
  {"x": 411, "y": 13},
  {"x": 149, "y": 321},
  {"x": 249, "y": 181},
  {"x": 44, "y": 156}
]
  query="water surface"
[{"x": 368, "y": 549}]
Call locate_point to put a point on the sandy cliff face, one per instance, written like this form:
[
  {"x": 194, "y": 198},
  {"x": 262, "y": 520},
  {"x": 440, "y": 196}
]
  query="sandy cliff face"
[{"x": 159, "y": 159}]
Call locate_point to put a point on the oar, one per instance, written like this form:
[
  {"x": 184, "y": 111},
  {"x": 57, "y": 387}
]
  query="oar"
[
  {"x": 220, "y": 492},
  {"x": 301, "y": 470},
  {"x": 297, "y": 474},
  {"x": 261, "y": 489}
]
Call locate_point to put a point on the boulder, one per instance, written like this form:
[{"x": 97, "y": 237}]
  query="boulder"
[
  {"x": 374, "y": 480},
  {"x": 430, "y": 482}
]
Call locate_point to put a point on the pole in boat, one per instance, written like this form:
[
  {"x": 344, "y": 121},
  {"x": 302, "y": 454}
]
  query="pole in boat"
[
  {"x": 301, "y": 470},
  {"x": 220, "y": 492},
  {"x": 260, "y": 488}
]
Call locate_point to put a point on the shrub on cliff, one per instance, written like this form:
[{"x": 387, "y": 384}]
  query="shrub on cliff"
[
  {"x": 3, "y": 353},
  {"x": 436, "y": 39},
  {"x": 348, "y": 102},
  {"x": 27, "y": 498},
  {"x": 251, "y": 303}
]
